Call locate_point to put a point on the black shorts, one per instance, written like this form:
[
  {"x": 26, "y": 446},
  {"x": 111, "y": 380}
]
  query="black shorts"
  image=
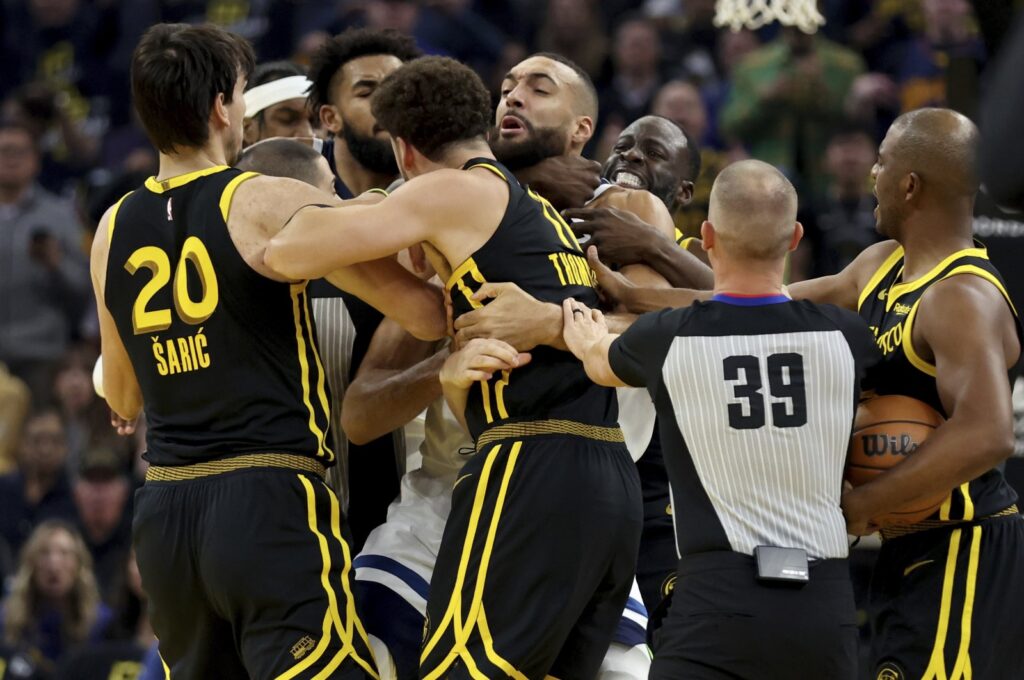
[
  {"x": 247, "y": 574},
  {"x": 723, "y": 624},
  {"x": 536, "y": 562},
  {"x": 948, "y": 603}
]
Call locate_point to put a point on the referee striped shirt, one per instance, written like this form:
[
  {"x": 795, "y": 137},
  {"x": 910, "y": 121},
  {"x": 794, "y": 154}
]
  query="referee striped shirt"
[{"x": 755, "y": 400}]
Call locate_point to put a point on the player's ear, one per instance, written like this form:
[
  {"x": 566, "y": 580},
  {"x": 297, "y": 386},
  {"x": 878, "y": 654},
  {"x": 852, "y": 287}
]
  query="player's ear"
[
  {"x": 707, "y": 235},
  {"x": 330, "y": 118},
  {"x": 798, "y": 233},
  {"x": 684, "y": 193},
  {"x": 911, "y": 186},
  {"x": 219, "y": 112},
  {"x": 583, "y": 132}
]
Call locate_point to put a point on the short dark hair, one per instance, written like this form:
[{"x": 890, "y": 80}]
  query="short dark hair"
[
  {"x": 177, "y": 72},
  {"x": 352, "y": 44},
  {"x": 270, "y": 71},
  {"x": 590, "y": 103},
  {"x": 432, "y": 103},
  {"x": 281, "y": 157}
]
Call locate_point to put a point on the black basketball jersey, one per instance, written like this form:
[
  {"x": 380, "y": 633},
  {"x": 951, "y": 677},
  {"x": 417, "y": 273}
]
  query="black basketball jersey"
[
  {"x": 227, "y": 359},
  {"x": 889, "y": 306},
  {"x": 755, "y": 401},
  {"x": 534, "y": 248}
]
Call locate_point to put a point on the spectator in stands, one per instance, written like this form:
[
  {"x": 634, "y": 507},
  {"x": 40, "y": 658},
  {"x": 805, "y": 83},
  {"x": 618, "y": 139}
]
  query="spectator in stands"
[
  {"x": 733, "y": 46},
  {"x": 14, "y": 404},
  {"x": 101, "y": 493},
  {"x": 786, "y": 98},
  {"x": 635, "y": 79},
  {"x": 575, "y": 29},
  {"x": 127, "y": 639},
  {"x": 680, "y": 102},
  {"x": 59, "y": 50},
  {"x": 920, "y": 66},
  {"x": 39, "y": 490},
  {"x": 840, "y": 223},
  {"x": 53, "y": 604},
  {"x": 85, "y": 415},
  {"x": 689, "y": 39},
  {"x": 282, "y": 118},
  {"x": 44, "y": 281}
]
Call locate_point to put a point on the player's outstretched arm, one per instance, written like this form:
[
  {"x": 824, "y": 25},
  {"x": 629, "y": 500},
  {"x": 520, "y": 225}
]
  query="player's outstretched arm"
[
  {"x": 512, "y": 315},
  {"x": 397, "y": 379},
  {"x": 966, "y": 327},
  {"x": 844, "y": 289},
  {"x": 587, "y": 337},
  {"x": 319, "y": 240},
  {"x": 478, "y": 360},
  {"x": 120, "y": 385},
  {"x": 617, "y": 289}
]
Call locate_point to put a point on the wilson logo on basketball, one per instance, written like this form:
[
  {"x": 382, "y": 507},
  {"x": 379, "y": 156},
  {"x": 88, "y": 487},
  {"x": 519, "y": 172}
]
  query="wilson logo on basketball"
[{"x": 882, "y": 445}]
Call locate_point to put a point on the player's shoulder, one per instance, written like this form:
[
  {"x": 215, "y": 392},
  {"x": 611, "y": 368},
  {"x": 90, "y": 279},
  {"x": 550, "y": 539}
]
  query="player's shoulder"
[
  {"x": 871, "y": 259},
  {"x": 639, "y": 202}
]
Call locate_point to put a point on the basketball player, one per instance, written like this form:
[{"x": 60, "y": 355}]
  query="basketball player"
[
  {"x": 281, "y": 157},
  {"x": 219, "y": 349},
  {"x": 345, "y": 71},
  {"x": 651, "y": 154},
  {"x": 494, "y": 609},
  {"x": 755, "y": 394},
  {"x": 946, "y": 591},
  {"x": 275, "y": 103},
  {"x": 398, "y": 380}
]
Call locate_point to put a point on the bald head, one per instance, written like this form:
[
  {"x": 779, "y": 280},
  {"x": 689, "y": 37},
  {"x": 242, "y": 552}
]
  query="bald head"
[
  {"x": 938, "y": 145},
  {"x": 282, "y": 157},
  {"x": 584, "y": 94},
  {"x": 753, "y": 211}
]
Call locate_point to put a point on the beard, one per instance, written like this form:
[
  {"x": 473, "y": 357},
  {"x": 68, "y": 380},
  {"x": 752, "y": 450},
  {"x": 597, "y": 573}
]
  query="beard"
[
  {"x": 541, "y": 143},
  {"x": 376, "y": 155}
]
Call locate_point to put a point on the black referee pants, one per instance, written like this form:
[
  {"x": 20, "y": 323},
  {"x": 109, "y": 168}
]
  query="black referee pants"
[{"x": 724, "y": 624}]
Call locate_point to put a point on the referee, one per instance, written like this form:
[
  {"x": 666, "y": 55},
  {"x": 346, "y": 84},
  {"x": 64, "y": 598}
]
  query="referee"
[{"x": 755, "y": 395}]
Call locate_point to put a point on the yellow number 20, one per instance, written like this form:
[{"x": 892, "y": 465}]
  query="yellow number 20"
[{"x": 190, "y": 311}]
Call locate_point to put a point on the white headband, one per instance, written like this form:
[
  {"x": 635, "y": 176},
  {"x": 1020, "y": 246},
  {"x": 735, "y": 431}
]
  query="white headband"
[{"x": 275, "y": 92}]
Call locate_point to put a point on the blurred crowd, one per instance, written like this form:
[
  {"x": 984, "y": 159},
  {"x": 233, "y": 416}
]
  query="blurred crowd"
[{"x": 814, "y": 106}]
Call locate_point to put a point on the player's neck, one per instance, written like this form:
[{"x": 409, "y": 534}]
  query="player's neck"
[
  {"x": 355, "y": 175},
  {"x": 933, "y": 240},
  {"x": 459, "y": 156},
  {"x": 744, "y": 278},
  {"x": 172, "y": 165}
]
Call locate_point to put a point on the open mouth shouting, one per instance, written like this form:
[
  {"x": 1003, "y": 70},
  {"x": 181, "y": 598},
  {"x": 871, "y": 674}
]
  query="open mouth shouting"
[{"x": 512, "y": 126}]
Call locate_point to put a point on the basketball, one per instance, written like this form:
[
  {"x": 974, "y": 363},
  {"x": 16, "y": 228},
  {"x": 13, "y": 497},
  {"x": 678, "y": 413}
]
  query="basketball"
[{"x": 886, "y": 430}]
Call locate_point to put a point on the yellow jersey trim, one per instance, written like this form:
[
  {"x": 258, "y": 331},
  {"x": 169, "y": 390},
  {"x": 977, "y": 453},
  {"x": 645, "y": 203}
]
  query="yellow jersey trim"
[
  {"x": 685, "y": 243},
  {"x": 113, "y": 216},
  {"x": 908, "y": 336},
  {"x": 879, "y": 274},
  {"x": 229, "y": 193},
  {"x": 937, "y": 663},
  {"x": 159, "y": 186},
  {"x": 962, "y": 666},
  {"x": 209, "y": 468},
  {"x": 297, "y": 291},
  {"x": 902, "y": 288},
  {"x": 321, "y": 377},
  {"x": 548, "y": 427},
  {"x": 490, "y": 167}
]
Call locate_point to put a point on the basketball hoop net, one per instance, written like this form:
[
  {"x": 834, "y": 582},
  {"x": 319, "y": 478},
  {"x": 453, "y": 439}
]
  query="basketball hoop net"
[{"x": 754, "y": 14}]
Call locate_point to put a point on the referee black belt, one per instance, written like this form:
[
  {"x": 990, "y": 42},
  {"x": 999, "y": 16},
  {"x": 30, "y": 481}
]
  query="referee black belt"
[
  {"x": 726, "y": 560},
  {"x": 248, "y": 461},
  {"x": 539, "y": 428}
]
